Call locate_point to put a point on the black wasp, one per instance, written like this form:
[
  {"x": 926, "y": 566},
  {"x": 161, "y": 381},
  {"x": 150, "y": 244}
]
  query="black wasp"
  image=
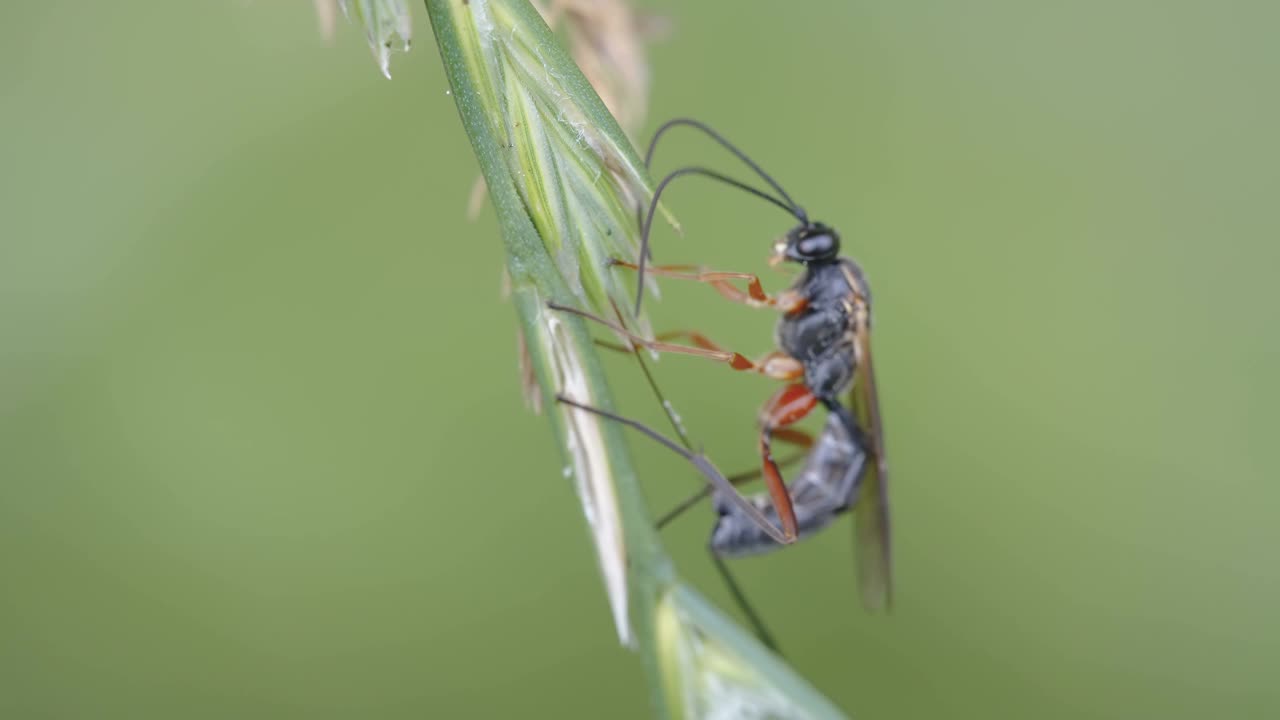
[{"x": 824, "y": 352}]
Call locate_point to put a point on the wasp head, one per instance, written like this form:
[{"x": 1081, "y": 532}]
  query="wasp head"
[{"x": 807, "y": 243}]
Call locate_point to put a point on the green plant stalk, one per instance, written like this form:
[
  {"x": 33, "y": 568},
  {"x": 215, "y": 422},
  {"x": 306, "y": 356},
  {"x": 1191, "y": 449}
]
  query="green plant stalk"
[
  {"x": 536, "y": 278},
  {"x": 564, "y": 181}
]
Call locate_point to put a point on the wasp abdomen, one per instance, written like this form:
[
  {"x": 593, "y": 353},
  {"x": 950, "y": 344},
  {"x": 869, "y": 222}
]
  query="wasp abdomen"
[{"x": 825, "y": 488}]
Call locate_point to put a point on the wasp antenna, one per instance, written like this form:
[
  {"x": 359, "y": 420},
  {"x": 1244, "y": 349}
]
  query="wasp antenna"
[
  {"x": 647, "y": 226},
  {"x": 793, "y": 208}
]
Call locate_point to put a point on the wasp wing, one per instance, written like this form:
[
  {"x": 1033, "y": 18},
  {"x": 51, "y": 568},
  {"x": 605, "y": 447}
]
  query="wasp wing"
[{"x": 871, "y": 512}]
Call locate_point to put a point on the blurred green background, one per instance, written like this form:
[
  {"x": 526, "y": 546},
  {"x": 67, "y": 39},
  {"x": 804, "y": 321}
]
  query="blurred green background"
[{"x": 263, "y": 454}]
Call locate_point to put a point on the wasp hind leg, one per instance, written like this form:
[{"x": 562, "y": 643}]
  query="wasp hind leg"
[{"x": 709, "y": 471}]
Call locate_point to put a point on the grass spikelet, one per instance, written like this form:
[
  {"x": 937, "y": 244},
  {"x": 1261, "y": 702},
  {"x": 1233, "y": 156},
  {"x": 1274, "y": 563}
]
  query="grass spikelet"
[
  {"x": 387, "y": 26},
  {"x": 565, "y": 183}
]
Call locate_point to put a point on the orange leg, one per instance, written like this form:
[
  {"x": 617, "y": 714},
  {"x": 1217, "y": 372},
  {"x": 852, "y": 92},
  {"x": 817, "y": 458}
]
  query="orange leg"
[
  {"x": 799, "y": 438},
  {"x": 776, "y": 365},
  {"x": 788, "y": 301},
  {"x": 693, "y": 336},
  {"x": 789, "y": 405},
  {"x": 700, "y": 461},
  {"x": 792, "y": 436}
]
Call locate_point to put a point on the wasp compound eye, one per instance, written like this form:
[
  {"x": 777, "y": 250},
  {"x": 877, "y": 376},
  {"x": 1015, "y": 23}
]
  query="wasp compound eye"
[
  {"x": 817, "y": 242},
  {"x": 816, "y": 246}
]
